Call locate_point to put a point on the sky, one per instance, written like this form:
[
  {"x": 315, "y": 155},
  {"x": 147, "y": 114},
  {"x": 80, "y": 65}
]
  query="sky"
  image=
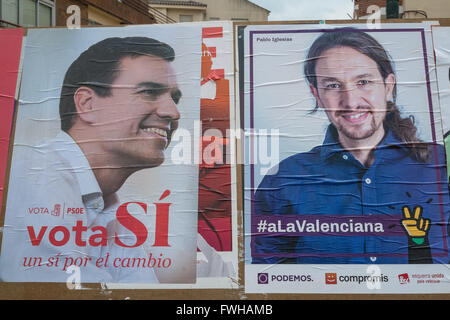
[{"x": 307, "y": 9}]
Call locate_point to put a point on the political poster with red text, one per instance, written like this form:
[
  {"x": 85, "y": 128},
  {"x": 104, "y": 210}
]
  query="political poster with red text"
[{"x": 214, "y": 153}]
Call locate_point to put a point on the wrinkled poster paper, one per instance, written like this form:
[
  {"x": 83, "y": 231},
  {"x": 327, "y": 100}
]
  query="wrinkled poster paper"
[
  {"x": 148, "y": 237},
  {"x": 217, "y": 257},
  {"x": 344, "y": 192},
  {"x": 103, "y": 197},
  {"x": 9, "y": 75},
  {"x": 441, "y": 42}
]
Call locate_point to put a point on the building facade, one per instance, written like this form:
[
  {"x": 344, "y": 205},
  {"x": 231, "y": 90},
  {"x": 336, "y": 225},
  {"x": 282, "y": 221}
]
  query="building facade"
[
  {"x": 408, "y": 9},
  {"x": 208, "y": 10},
  {"x": 363, "y": 9},
  {"x": 429, "y": 9},
  {"x": 171, "y": 11},
  {"x": 235, "y": 10},
  {"x": 44, "y": 13},
  {"x": 27, "y": 13}
]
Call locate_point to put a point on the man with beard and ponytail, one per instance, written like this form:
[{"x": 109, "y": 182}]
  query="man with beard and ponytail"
[{"x": 371, "y": 167}]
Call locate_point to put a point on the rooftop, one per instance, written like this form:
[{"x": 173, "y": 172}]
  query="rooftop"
[{"x": 177, "y": 3}]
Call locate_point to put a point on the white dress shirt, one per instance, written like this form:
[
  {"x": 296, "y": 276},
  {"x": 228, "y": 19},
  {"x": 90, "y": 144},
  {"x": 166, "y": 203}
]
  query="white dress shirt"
[{"x": 45, "y": 182}]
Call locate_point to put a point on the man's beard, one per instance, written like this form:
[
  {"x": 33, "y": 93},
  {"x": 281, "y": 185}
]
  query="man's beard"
[{"x": 358, "y": 134}]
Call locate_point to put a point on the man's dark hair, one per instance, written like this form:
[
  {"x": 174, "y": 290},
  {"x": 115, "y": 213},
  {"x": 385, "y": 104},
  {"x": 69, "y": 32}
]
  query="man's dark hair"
[
  {"x": 98, "y": 67},
  {"x": 403, "y": 128}
]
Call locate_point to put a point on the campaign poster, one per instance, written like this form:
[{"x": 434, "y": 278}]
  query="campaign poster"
[
  {"x": 441, "y": 42},
  {"x": 214, "y": 153},
  {"x": 99, "y": 191},
  {"x": 344, "y": 177},
  {"x": 217, "y": 220},
  {"x": 11, "y": 40}
]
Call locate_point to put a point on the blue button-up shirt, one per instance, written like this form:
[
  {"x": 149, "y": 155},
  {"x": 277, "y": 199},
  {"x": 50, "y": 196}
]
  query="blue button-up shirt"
[{"x": 329, "y": 180}]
